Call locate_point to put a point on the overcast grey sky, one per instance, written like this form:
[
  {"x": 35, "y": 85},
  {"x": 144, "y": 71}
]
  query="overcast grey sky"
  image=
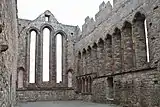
[{"x": 71, "y": 12}]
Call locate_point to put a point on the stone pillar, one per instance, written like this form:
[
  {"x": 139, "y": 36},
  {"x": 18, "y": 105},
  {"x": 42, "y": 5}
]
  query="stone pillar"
[
  {"x": 128, "y": 53},
  {"x": 108, "y": 55},
  {"x": 139, "y": 40},
  {"x": 80, "y": 88},
  {"x": 86, "y": 85},
  {"x": 101, "y": 57},
  {"x": 89, "y": 84},
  {"x": 117, "y": 52},
  {"x": 83, "y": 85}
]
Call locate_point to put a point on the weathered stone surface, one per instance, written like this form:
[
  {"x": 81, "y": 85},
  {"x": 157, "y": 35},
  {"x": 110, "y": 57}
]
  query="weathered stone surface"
[
  {"x": 8, "y": 52},
  {"x": 105, "y": 63}
]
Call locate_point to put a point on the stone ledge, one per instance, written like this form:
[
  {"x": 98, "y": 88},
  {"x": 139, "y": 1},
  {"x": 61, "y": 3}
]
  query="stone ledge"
[
  {"x": 45, "y": 89},
  {"x": 134, "y": 70}
]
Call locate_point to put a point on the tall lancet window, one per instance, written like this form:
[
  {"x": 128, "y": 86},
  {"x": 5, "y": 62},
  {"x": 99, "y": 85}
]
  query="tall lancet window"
[
  {"x": 59, "y": 50},
  {"x": 146, "y": 35},
  {"x": 46, "y": 45},
  {"x": 33, "y": 35}
]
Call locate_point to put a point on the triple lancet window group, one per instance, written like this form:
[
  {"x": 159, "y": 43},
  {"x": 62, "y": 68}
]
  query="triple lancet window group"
[{"x": 46, "y": 44}]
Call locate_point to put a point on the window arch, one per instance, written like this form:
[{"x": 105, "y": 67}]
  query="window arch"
[
  {"x": 46, "y": 48},
  {"x": 146, "y": 36},
  {"x": 117, "y": 52},
  {"x": 139, "y": 34},
  {"x": 32, "y": 64}
]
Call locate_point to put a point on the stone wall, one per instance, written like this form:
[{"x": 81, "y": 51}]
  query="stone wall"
[
  {"x": 45, "y": 95},
  {"x": 8, "y": 52},
  {"x": 139, "y": 89},
  {"x": 108, "y": 60},
  {"x": 117, "y": 54},
  {"x": 68, "y": 32}
]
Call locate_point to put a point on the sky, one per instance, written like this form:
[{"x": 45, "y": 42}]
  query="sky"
[{"x": 70, "y": 12}]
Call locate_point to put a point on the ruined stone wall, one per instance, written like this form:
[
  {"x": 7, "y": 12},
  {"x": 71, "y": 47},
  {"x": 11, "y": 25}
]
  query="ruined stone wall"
[
  {"x": 108, "y": 60},
  {"x": 117, "y": 39},
  {"x": 139, "y": 89},
  {"x": 45, "y": 95},
  {"x": 29, "y": 91},
  {"x": 8, "y": 52}
]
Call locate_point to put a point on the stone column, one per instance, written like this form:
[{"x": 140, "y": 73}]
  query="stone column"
[
  {"x": 86, "y": 85},
  {"x": 80, "y": 88},
  {"x": 139, "y": 40},
  {"x": 83, "y": 85},
  {"x": 89, "y": 84},
  {"x": 108, "y": 55},
  {"x": 128, "y": 53},
  {"x": 117, "y": 52}
]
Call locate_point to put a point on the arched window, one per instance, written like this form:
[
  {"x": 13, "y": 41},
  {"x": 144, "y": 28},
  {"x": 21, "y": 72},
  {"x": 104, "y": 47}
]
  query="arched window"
[
  {"x": 59, "y": 49},
  {"x": 46, "y": 45},
  {"x": 117, "y": 51},
  {"x": 146, "y": 35},
  {"x": 127, "y": 45},
  {"x": 69, "y": 79},
  {"x": 20, "y": 78},
  {"x": 32, "y": 56},
  {"x": 139, "y": 35}
]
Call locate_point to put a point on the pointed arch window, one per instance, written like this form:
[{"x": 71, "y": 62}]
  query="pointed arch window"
[
  {"x": 59, "y": 49},
  {"x": 32, "y": 56},
  {"x": 46, "y": 47}
]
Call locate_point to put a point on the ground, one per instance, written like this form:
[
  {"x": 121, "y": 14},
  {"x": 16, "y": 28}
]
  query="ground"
[{"x": 64, "y": 104}]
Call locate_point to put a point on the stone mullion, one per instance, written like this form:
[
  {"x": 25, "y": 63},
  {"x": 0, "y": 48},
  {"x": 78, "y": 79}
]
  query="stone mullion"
[
  {"x": 89, "y": 85},
  {"x": 117, "y": 54},
  {"x": 83, "y": 85},
  {"x": 80, "y": 85},
  {"x": 39, "y": 74},
  {"x": 139, "y": 43},
  {"x": 128, "y": 52},
  {"x": 108, "y": 55},
  {"x": 52, "y": 64}
]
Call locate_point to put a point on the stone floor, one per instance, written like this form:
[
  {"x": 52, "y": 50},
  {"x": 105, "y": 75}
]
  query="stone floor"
[{"x": 64, "y": 104}]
